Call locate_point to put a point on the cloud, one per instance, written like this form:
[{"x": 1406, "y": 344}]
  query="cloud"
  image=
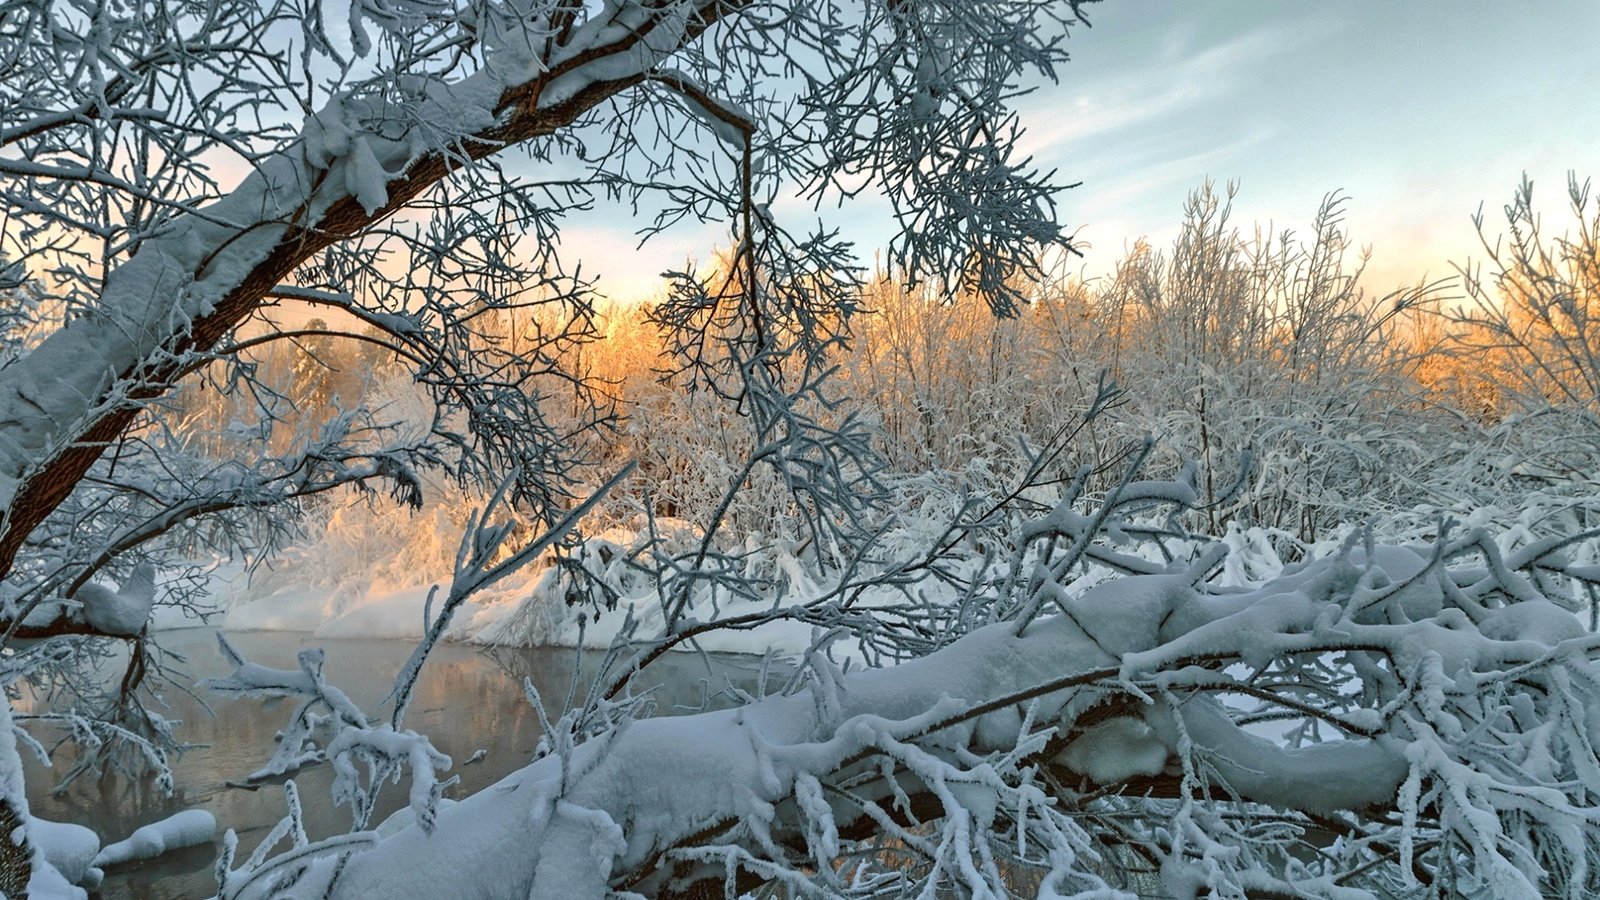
[
  {"x": 1178, "y": 80},
  {"x": 1128, "y": 185}
]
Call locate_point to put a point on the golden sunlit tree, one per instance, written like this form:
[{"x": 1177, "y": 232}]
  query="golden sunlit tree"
[{"x": 1534, "y": 319}]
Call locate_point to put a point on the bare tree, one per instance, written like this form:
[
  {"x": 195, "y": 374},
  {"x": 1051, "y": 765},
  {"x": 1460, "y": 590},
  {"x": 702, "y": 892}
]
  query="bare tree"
[
  {"x": 1528, "y": 347},
  {"x": 1533, "y": 309}
]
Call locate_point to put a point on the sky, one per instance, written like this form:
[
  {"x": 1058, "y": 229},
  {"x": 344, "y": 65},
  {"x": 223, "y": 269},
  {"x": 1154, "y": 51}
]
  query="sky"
[{"x": 1418, "y": 111}]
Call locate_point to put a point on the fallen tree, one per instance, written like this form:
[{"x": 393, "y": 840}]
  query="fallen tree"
[{"x": 1383, "y": 720}]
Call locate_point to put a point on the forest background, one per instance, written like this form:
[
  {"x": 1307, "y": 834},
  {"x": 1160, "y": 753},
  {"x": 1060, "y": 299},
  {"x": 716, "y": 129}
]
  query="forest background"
[{"x": 1312, "y": 398}]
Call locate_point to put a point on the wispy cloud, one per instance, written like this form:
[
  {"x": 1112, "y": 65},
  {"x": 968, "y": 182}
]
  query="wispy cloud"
[
  {"x": 1178, "y": 81},
  {"x": 1115, "y": 190}
]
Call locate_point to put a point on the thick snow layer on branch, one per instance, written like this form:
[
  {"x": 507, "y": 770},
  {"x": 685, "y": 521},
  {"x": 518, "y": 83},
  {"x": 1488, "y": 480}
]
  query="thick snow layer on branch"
[
  {"x": 70, "y": 849},
  {"x": 50, "y": 842},
  {"x": 1116, "y": 750},
  {"x": 185, "y": 829},
  {"x": 122, "y": 610},
  {"x": 575, "y": 818},
  {"x": 509, "y": 841}
]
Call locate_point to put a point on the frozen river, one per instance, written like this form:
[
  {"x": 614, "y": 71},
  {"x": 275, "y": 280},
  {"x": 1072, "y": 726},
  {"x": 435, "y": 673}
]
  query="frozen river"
[{"x": 469, "y": 699}]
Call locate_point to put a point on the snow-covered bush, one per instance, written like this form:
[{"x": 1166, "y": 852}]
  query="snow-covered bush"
[
  {"x": 1382, "y": 719},
  {"x": 1531, "y": 320}
]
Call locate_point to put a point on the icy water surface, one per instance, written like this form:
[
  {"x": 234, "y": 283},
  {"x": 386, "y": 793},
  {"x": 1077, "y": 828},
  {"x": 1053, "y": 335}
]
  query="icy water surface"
[{"x": 469, "y": 698}]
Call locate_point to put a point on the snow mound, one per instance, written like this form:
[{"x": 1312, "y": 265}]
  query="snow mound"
[{"x": 185, "y": 829}]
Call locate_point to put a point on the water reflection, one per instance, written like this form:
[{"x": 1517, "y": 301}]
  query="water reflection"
[{"x": 468, "y": 699}]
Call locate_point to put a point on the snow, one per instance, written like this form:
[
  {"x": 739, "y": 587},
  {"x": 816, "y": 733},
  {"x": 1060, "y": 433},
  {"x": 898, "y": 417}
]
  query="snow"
[
  {"x": 405, "y": 816},
  {"x": 66, "y": 843},
  {"x": 365, "y": 177},
  {"x": 45, "y": 883},
  {"x": 730, "y": 764},
  {"x": 123, "y": 610},
  {"x": 1315, "y": 778},
  {"x": 1140, "y": 624},
  {"x": 185, "y": 829},
  {"x": 325, "y": 137},
  {"x": 582, "y": 812},
  {"x": 1471, "y": 703},
  {"x": 1116, "y": 750},
  {"x": 70, "y": 849},
  {"x": 1540, "y": 621}
]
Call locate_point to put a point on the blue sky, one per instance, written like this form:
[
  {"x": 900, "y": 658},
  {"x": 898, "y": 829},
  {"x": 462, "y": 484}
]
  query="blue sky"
[{"x": 1419, "y": 111}]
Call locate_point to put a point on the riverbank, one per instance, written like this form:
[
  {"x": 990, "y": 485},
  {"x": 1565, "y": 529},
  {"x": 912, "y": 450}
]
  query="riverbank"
[{"x": 469, "y": 699}]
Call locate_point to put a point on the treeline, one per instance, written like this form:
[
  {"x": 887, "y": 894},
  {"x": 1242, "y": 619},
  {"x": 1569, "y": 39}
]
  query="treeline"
[{"x": 1301, "y": 395}]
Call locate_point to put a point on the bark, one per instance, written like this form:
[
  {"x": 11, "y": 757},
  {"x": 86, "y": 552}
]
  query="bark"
[{"x": 16, "y": 862}]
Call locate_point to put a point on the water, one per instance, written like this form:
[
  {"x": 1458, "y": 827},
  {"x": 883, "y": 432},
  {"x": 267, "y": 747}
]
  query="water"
[{"x": 468, "y": 698}]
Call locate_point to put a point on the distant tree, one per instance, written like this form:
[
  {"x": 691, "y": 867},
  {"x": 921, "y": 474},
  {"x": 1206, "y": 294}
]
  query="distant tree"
[
  {"x": 1534, "y": 318},
  {"x": 1261, "y": 356},
  {"x": 1264, "y": 357}
]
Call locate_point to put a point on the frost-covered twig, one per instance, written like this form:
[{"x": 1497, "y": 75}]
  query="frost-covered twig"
[{"x": 1430, "y": 740}]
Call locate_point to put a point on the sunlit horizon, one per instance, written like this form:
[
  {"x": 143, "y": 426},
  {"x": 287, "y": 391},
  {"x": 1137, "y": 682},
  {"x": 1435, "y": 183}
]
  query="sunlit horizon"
[{"x": 1406, "y": 110}]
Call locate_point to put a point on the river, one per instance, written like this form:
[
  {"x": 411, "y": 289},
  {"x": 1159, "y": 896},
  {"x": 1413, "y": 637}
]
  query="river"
[{"x": 468, "y": 699}]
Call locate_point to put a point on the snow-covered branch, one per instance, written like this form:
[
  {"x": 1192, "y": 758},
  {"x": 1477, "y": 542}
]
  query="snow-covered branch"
[
  {"x": 354, "y": 163},
  {"x": 1152, "y": 721}
]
